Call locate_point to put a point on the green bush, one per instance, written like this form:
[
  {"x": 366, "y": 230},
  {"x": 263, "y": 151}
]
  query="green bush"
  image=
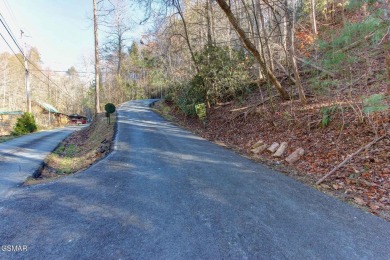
[
  {"x": 201, "y": 111},
  {"x": 335, "y": 60},
  {"x": 375, "y": 103},
  {"x": 168, "y": 97},
  {"x": 110, "y": 108},
  {"x": 322, "y": 86},
  {"x": 328, "y": 113},
  {"x": 224, "y": 74},
  {"x": 25, "y": 125},
  {"x": 188, "y": 94},
  {"x": 224, "y": 71},
  {"x": 356, "y": 31}
]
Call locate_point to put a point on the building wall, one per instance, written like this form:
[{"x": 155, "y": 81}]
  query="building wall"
[
  {"x": 7, "y": 123},
  {"x": 45, "y": 119}
]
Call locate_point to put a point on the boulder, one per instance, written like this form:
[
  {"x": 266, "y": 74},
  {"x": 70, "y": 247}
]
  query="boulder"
[
  {"x": 104, "y": 147},
  {"x": 259, "y": 143},
  {"x": 295, "y": 156},
  {"x": 280, "y": 150},
  {"x": 273, "y": 147},
  {"x": 259, "y": 149}
]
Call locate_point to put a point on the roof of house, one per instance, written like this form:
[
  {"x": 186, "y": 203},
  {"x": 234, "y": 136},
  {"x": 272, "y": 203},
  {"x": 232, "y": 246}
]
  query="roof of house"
[
  {"x": 76, "y": 116},
  {"x": 48, "y": 107},
  {"x": 11, "y": 112}
]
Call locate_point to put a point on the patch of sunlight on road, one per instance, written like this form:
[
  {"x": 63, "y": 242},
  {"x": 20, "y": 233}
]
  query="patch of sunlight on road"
[
  {"x": 213, "y": 195},
  {"x": 100, "y": 210},
  {"x": 193, "y": 158}
]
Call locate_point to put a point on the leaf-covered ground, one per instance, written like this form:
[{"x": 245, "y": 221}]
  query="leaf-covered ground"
[{"x": 363, "y": 182}]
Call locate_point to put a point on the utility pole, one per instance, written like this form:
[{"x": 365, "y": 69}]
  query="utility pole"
[
  {"x": 26, "y": 75},
  {"x": 5, "y": 70},
  {"x": 97, "y": 70}
]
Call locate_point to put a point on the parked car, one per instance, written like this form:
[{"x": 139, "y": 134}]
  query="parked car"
[{"x": 77, "y": 119}]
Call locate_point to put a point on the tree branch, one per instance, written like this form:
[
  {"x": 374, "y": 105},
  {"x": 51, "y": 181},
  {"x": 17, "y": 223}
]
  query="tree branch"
[{"x": 349, "y": 157}]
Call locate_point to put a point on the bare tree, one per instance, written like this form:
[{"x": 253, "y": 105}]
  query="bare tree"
[
  {"x": 252, "y": 49},
  {"x": 117, "y": 24},
  {"x": 291, "y": 29}
]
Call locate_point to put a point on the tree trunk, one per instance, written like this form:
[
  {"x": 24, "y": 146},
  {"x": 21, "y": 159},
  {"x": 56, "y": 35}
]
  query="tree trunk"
[
  {"x": 119, "y": 55},
  {"x": 187, "y": 38},
  {"x": 252, "y": 49},
  {"x": 97, "y": 99},
  {"x": 209, "y": 21},
  {"x": 265, "y": 33},
  {"x": 313, "y": 16},
  {"x": 291, "y": 30}
]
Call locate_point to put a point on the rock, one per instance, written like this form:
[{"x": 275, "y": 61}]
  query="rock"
[
  {"x": 100, "y": 149},
  {"x": 259, "y": 143},
  {"x": 295, "y": 156},
  {"x": 220, "y": 143},
  {"x": 280, "y": 150},
  {"x": 104, "y": 147},
  {"x": 273, "y": 147},
  {"x": 259, "y": 149}
]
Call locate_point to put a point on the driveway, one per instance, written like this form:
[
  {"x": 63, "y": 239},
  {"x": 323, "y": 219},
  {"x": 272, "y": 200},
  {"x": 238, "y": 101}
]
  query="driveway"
[
  {"x": 165, "y": 193},
  {"x": 22, "y": 156}
]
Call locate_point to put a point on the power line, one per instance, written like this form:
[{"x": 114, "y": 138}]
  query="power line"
[
  {"x": 31, "y": 63},
  {"x": 37, "y": 69},
  {"x": 13, "y": 18},
  {"x": 12, "y": 50},
  {"x": 38, "y": 78},
  {"x": 66, "y": 71},
  {"x": 10, "y": 34},
  {"x": 24, "y": 56},
  {"x": 7, "y": 25}
]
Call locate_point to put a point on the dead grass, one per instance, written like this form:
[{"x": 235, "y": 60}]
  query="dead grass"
[{"x": 79, "y": 151}]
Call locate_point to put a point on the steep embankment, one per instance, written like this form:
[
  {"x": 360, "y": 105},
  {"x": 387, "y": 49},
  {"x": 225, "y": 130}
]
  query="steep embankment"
[
  {"x": 344, "y": 127},
  {"x": 80, "y": 150}
]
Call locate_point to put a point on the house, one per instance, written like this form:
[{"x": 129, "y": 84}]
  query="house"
[
  {"x": 8, "y": 120},
  {"x": 47, "y": 115},
  {"x": 77, "y": 119}
]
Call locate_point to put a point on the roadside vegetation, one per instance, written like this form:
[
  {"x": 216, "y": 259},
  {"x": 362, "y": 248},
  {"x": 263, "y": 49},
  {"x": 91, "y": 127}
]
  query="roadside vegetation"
[
  {"x": 79, "y": 151},
  {"x": 5, "y": 138},
  {"x": 25, "y": 125},
  {"x": 340, "y": 120}
]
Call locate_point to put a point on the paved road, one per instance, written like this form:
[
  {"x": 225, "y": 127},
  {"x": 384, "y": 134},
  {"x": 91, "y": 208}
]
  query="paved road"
[
  {"x": 167, "y": 194},
  {"x": 21, "y": 157}
]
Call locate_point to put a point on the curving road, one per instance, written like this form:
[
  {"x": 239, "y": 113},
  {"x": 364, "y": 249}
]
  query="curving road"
[
  {"x": 167, "y": 194},
  {"x": 22, "y": 156}
]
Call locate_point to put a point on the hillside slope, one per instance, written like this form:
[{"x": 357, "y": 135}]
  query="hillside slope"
[{"x": 345, "y": 72}]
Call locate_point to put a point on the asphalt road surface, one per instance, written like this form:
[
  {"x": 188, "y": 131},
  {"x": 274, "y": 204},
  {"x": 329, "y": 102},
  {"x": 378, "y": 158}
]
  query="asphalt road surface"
[
  {"x": 21, "y": 156},
  {"x": 167, "y": 194}
]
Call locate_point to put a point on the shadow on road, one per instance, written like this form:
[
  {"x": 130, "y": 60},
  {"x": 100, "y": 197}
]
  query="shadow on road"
[{"x": 165, "y": 193}]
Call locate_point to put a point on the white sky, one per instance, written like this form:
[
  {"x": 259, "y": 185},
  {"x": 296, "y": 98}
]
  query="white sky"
[{"x": 61, "y": 30}]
